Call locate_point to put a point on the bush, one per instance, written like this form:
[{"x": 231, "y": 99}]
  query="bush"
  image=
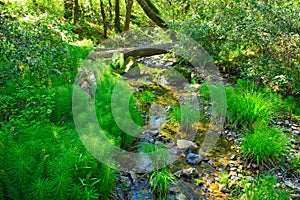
[
  {"x": 264, "y": 145},
  {"x": 256, "y": 40}
]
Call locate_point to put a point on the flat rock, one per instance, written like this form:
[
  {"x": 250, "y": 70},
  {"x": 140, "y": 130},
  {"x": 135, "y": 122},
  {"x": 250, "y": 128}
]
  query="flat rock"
[
  {"x": 185, "y": 144},
  {"x": 190, "y": 172}
]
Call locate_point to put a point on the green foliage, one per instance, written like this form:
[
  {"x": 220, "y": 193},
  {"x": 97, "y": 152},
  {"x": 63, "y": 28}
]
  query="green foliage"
[
  {"x": 46, "y": 162},
  {"x": 187, "y": 114},
  {"x": 25, "y": 103},
  {"x": 247, "y": 105},
  {"x": 291, "y": 105},
  {"x": 264, "y": 145},
  {"x": 34, "y": 54},
  {"x": 160, "y": 181},
  {"x": 294, "y": 165},
  {"x": 103, "y": 103},
  {"x": 62, "y": 98},
  {"x": 263, "y": 188},
  {"x": 256, "y": 40},
  {"x": 146, "y": 97},
  {"x": 118, "y": 63}
]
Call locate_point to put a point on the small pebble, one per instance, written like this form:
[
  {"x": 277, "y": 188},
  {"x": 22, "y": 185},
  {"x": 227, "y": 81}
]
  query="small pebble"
[
  {"x": 232, "y": 157},
  {"x": 296, "y": 132}
]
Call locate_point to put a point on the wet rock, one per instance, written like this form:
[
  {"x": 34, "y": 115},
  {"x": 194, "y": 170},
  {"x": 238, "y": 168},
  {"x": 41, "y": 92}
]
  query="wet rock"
[
  {"x": 190, "y": 173},
  {"x": 120, "y": 193},
  {"x": 185, "y": 144},
  {"x": 232, "y": 173},
  {"x": 296, "y": 132},
  {"x": 192, "y": 158},
  {"x": 286, "y": 122},
  {"x": 293, "y": 184},
  {"x": 279, "y": 123},
  {"x": 125, "y": 181},
  {"x": 254, "y": 166},
  {"x": 133, "y": 176},
  {"x": 153, "y": 132},
  {"x": 173, "y": 189},
  {"x": 144, "y": 164},
  {"x": 181, "y": 196},
  {"x": 249, "y": 178},
  {"x": 232, "y": 157},
  {"x": 223, "y": 188},
  {"x": 233, "y": 169},
  {"x": 163, "y": 139}
]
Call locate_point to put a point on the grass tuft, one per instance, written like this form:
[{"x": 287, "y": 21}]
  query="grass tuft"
[{"x": 264, "y": 144}]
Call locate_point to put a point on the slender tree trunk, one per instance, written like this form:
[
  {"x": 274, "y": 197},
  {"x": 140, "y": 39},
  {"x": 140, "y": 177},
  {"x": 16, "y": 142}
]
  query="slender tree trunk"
[
  {"x": 110, "y": 10},
  {"x": 128, "y": 14},
  {"x": 76, "y": 12},
  {"x": 68, "y": 6},
  {"x": 117, "y": 16},
  {"x": 151, "y": 13},
  {"x": 103, "y": 18}
]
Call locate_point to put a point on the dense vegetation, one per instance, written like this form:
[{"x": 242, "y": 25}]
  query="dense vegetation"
[{"x": 43, "y": 43}]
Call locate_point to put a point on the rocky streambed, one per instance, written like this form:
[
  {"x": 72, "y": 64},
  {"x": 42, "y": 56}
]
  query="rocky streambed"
[{"x": 217, "y": 175}]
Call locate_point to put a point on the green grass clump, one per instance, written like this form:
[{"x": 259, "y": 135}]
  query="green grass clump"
[
  {"x": 160, "y": 181},
  {"x": 263, "y": 188},
  {"x": 147, "y": 97},
  {"x": 264, "y": 144},
  {"x": 247, "y": 105}
]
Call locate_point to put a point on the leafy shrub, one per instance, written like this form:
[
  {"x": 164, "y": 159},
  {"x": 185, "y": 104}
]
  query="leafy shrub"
[
  {"x": 264, "y": 145},
  {"x": 25, "y": 103},
  {"x": 160, "y": 181},
  {"x": 256, "y": 40},
  {"x": 263, "y": 188}
]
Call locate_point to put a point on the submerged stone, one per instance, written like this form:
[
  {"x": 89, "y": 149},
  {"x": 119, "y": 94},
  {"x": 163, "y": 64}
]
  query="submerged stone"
[{"x": 193, "y": 159}]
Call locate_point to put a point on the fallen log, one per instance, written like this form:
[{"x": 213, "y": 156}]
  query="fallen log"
[{"x": 135, "y": 52}]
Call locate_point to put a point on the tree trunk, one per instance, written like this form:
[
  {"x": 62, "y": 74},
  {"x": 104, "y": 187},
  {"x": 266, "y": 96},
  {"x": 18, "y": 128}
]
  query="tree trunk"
[
  {"x": 128, "y": 14},
  {"x": 76, "y": 12},
  {"x": 117, "y": 17},
  {"x": 103, "y": 18},
  {"x": 151, "y": 13},
  {"x": 152, "y": 6},
  {"x": 68, "y": 6},
  {"x": 110, "y": 10}
]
